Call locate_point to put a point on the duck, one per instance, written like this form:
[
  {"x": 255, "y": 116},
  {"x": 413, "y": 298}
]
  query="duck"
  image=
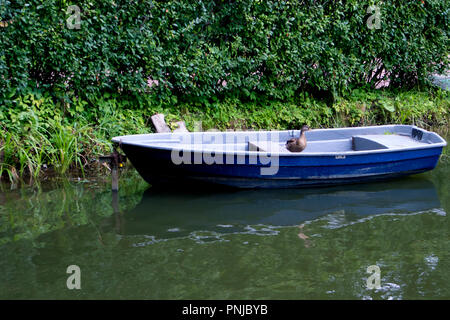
[{"x": 298, "y": 144}]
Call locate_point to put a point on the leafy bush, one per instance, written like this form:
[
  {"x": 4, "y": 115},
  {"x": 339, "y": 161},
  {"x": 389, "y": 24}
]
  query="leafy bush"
[
  {"x": 247, "y": 64},
  {"x": 195, "y": 50}
]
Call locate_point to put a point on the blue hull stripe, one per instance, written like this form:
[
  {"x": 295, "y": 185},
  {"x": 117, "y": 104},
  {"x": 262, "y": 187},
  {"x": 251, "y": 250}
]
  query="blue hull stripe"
[{"x": 155, "y": 166}]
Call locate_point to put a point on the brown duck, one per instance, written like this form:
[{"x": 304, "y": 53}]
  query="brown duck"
[{"x": 298, "y": 144}]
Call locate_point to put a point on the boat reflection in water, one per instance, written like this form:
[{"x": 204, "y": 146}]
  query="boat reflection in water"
[{"x": 167, "y": 214}]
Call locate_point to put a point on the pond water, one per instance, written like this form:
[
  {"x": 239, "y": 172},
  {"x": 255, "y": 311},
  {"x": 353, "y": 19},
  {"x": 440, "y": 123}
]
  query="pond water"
[{"x": 264, "y": 244}]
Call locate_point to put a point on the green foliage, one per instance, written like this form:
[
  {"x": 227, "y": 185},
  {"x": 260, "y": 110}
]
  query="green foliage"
[
  {"x": 196, "y": 50},
  {"x": 232, "y": 65},
  {"x": 38, "y": 133}
]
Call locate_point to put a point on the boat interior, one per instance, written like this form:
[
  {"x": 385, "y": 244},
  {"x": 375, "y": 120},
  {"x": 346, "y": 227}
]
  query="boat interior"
[{"x": 318, "y": 140}]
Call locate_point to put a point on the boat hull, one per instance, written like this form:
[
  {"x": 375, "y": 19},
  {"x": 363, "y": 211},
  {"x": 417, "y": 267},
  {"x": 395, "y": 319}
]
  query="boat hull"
[{"x": 157, "y": 168}]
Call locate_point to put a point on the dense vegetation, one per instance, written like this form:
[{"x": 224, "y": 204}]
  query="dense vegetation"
[
  {"x": 37, "y": 134},
  {"x": 214, "y": 48},
  {"x": 250, "y": 64}
]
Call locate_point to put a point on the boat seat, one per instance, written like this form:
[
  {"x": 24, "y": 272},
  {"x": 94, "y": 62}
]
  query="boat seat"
[
  {"x": 381, "y": 141},
  {"x": 266, "y": 146}
]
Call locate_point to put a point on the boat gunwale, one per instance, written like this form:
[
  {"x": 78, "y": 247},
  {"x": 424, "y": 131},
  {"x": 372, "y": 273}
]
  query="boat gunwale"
[{"x": 443, "y": 143}]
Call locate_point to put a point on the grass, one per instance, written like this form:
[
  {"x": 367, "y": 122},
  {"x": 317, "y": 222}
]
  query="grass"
[{"x": 40, "y": 136}]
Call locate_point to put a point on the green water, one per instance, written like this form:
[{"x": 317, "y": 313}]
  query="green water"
[{"x": 279, "y": 244}]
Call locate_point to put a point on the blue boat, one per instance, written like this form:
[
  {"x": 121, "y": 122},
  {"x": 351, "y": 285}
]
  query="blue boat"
[{"x": 259, "y": 159}]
